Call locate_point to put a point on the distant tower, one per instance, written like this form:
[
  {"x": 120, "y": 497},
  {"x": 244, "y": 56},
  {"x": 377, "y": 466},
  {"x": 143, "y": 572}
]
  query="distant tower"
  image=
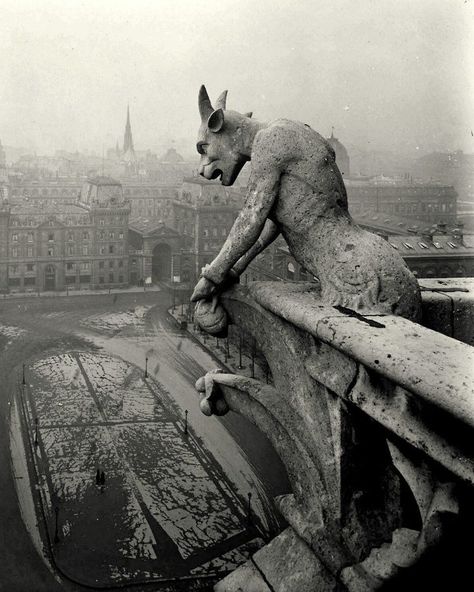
[
  {"x": 342, "y": 157},
  {"x": 3, "y": 174},
  {"x": 129, "y": 157},
  {"x": 127, "y": 137}
]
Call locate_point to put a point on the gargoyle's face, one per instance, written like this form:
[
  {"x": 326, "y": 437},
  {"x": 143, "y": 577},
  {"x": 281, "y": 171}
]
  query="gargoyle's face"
[{"x": 220, "y": 150}]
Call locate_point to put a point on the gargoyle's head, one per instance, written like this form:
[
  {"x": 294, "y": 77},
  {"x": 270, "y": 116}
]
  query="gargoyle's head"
[{"x": 223, "y": 140}]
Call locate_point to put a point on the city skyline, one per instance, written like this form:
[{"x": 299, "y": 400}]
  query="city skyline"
[{"x": 381, "y": 73}]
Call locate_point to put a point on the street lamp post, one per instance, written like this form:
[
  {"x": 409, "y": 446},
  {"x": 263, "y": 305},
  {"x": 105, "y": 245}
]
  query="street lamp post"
[
  {"x": 36, "y": 431},
  {"x": 185, "y": 421},
  {"x": 146, "y": 367},
  {"x": 249, "y": 509},
  {"x": 253, "y": 358},
  {"x": 23, "y": 381},
  {"x": 240, "y": 350},
  {"x": 56, "y": 535}
]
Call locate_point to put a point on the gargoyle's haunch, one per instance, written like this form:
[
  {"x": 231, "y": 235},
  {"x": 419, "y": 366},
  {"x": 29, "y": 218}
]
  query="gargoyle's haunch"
[{"x": 297, "y": 190}]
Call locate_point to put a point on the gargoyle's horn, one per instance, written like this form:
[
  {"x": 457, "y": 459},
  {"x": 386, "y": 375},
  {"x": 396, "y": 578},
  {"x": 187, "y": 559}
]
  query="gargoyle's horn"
[
  {"x": 205, "y": 107},
  {"x": 220, "y": 103}
]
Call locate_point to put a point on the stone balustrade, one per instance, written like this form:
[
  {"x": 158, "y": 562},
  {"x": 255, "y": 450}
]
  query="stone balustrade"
[{"x": 373, "y": 417}]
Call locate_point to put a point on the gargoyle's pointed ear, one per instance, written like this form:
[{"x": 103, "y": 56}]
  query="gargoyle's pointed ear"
[
  {"x": 221, "y": 101},
  {"x": 249, "y": 114},
  {"x": 205, "y": 107},
  {"x": 216, "y": 121}
]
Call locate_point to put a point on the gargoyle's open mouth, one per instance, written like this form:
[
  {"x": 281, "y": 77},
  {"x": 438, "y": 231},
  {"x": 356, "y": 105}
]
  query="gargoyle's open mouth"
[{"x": 216, "y": 174}]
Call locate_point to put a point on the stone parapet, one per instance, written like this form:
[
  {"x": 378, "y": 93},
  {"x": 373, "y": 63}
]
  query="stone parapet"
[{"x": 372, "y": 417}]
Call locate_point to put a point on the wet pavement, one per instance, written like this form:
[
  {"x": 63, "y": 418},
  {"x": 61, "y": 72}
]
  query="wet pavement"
[{"x": 174, "y": 503}]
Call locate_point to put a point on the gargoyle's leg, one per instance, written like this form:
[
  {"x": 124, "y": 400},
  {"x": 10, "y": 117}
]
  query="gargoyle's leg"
[
  {"x": 247, "y": 227},
  {"x": 268, "y": 235}
]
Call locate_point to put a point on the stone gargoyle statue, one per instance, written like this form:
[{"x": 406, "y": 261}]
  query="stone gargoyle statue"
[{"x": 296, "y": 189}]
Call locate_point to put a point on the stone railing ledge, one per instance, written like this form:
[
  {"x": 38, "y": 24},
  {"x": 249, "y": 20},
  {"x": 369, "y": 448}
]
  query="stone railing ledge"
[{"x": 427, "y": 363}]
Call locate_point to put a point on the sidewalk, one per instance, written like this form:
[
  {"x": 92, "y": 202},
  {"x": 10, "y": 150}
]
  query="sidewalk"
[
  {"x": 85, "y": 292},
  {"x": 225, "y": 352}
]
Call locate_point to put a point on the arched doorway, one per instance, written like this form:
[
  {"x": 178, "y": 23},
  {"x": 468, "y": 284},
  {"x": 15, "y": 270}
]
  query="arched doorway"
[
  {"x": 49, "y": 278},
  {"x": 161, "y": 262}
]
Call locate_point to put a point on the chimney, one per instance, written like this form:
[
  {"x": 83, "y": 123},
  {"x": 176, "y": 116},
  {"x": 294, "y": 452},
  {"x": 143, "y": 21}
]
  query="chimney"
[
  {"x": 427, "y": 235},
  {"x": 458, "y": 232}
]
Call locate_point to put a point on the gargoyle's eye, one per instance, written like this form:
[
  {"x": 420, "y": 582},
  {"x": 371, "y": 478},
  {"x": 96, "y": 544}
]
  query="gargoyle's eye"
[{"x": 201, "y": 147}]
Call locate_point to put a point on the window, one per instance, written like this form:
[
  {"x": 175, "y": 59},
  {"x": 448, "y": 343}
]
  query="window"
[
  {"x": 13, "y": 269},
  {"x": 206, "y": 232},
  {"x": 85, "y": 250},
  {"x": 214, "y": 232},
  {"x": 423, "y": 245},
  {"x": 394, "y": 246},
  {"x": 452, "y": 245},
  {"x": 102, "y": 250},
  {"x": 120, "y": 263},
  {"x": 51, "y": 237},
  {"x": 111, "y": 278},
  {"x": 69, "y": 266},
  {"x": 85, "y": 236},
  {"x": 29, "y": 252},
  {"x": 101, "y": 279},
  {"x": 29, "y": 237},
  {"x": 134, "y": 261},
  {"x": 85, "y": 266},
  {"x": 102, "y": 223},
  {"x": 101, "y": 265},
  {"x": 30, "y": 267},
  {"x": 438, "y": 245},
  {"x": 70, "y": 237},
  {"x": 120, "y": 279},
  {"x": 120, "y": 235},
  {"x": 112, "y": 235},
  {"x": 111, "y": 264},
  {"x": 15, "y": 252},
  {"x": 15, "y": 238},
  {"x": 408, "y": 246},
  {"x": 111, "y": 249},
  {"x": 70, "y": 250},
  {"x": 50, "y": 251},
  {"x": 101, "y": 235}
]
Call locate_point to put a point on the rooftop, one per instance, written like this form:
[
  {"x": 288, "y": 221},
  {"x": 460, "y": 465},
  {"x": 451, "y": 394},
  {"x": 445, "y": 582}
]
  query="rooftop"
[{"x": 102, "y": 180}]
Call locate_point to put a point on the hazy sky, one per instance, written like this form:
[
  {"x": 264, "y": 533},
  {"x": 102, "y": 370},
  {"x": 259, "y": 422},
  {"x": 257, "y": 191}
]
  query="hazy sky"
[{"x": 388, "y": 74}]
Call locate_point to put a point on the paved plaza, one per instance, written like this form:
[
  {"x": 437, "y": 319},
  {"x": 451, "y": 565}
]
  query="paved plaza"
[{"x": 106, "y": 387}]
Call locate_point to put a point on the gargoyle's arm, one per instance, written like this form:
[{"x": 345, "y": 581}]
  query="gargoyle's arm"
[
  {"x": 268, "y": 235},
  {"x": 247, "y": 227}
]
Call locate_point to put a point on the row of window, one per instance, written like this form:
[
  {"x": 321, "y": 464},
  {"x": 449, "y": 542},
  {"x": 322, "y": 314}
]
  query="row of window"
[
  {"x": 71, "y": 250},
  {"x": 70, "y": 267},
  {"x": 51, "y": 237}
]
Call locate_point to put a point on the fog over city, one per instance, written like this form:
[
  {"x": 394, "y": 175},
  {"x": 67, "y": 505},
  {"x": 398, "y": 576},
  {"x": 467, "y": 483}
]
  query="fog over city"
[{"x": 387, "y": 75}]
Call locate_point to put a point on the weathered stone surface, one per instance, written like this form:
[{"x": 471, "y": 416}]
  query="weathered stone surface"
[
  {"x": 448, "y": 307},
  {"x": 427, "y": 363},
  {"x": 359, "y": 404},
  {"x": 246, "y": 578},
  {"x": 296, "y": 189},
  {"x": 289, "y": 564}
]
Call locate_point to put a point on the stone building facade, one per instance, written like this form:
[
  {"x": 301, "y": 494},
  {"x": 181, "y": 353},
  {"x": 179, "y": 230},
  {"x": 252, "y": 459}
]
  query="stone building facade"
[
  {"x": 48, "y": 245},
  {"x": 430, "y": 203}
]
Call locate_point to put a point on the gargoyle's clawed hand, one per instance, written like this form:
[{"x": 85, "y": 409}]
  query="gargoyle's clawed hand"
[{"x": 203, "y": 290}]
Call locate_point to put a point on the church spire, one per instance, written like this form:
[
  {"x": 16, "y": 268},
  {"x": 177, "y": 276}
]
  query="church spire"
[{"x": 127, "y": 138}]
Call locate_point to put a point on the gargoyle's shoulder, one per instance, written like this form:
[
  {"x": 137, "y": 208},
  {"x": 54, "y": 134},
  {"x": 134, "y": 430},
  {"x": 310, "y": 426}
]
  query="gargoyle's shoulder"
[
  {"x": 285, "y": 134},
  {"x": 278, "y": 141}
]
